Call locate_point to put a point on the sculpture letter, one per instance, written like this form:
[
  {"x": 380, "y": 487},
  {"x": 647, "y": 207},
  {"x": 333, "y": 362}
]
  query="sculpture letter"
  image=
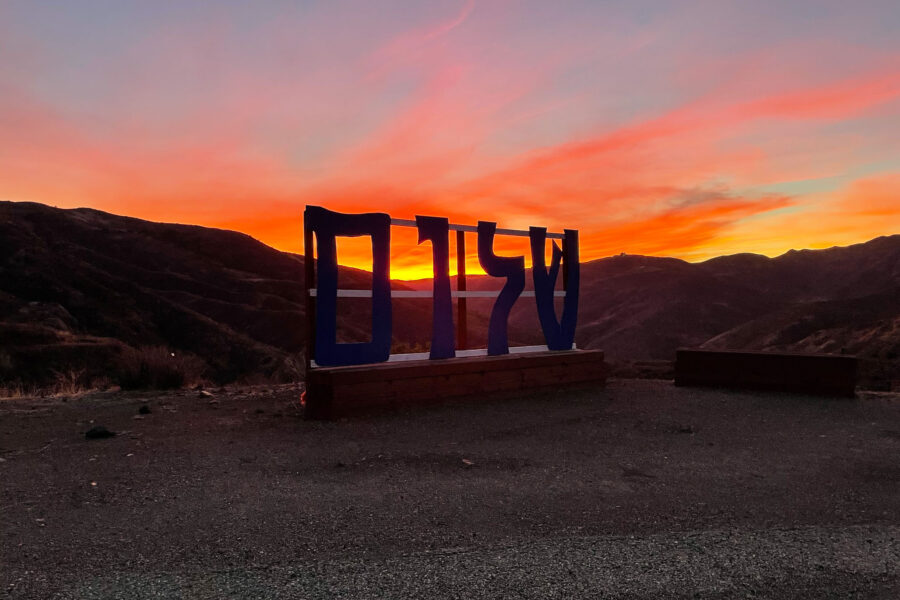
[
  {"x": 559, "y": 334},
  {"x": 513, "y": 268},
  {"x": 327, "y": 225},
  {"x": 437, "y": 229}
]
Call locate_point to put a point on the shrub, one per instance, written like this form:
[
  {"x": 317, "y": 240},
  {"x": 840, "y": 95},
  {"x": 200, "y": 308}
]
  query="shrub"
[
  {"x": 15, "y": 390},
  {"x": 157, "y": 367},
  {"x": 70, "y": 382}
]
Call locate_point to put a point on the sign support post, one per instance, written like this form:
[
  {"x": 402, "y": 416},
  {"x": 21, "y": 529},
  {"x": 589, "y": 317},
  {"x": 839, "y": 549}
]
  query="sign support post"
[
  {"x": 461, "y": 325},
  {"x": 309, "y": 264}
]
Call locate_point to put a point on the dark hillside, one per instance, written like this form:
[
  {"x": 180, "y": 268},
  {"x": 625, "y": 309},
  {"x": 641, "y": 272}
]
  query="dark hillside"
[{"x": 80, "y": 287}]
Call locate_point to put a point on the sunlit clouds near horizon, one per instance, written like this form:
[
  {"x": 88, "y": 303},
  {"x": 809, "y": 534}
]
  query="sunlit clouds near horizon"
[{"x": 688, "y": 129}]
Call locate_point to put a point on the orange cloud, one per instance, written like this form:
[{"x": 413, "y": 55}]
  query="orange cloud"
[
  {"x": 680, "y": 231},
  {"x": 873, "y": 198},
  {"x": 862, "y": 210},
  {"x": 195, "y": 127}
]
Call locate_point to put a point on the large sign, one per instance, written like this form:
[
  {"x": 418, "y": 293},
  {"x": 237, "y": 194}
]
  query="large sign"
[{"x": 326, "y": 226}]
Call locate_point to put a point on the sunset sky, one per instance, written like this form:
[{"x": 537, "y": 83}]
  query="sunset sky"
[{"x": 682, "y": 129}]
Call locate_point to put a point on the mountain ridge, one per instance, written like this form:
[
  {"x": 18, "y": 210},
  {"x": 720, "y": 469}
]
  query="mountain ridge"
[{"x": 77, "y": 286}]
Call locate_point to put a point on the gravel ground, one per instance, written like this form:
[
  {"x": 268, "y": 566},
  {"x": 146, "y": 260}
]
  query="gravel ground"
[{"x": 635, "y": 490}]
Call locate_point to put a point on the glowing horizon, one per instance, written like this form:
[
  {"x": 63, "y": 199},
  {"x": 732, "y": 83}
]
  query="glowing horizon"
[{"x": 690, "y": 131}]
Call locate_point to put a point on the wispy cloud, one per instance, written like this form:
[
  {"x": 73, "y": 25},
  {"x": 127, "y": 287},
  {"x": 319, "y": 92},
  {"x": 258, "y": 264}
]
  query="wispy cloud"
[
  {"x": 404, "y": 45},
  {"x": 643, "y": 128}
]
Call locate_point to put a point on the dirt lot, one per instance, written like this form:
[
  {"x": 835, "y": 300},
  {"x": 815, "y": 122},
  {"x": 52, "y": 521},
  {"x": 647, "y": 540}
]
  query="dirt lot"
[{"x": 635, "y": 490}]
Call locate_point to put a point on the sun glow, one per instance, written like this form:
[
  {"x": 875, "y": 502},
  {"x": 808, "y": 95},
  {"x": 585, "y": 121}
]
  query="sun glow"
[{"x": 757, "y": 136}]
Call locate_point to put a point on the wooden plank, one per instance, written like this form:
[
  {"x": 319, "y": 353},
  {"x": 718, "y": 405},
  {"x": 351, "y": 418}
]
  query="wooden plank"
[
  {"x": 336, "y": 391},
  {"x": 824, "y": 374}
]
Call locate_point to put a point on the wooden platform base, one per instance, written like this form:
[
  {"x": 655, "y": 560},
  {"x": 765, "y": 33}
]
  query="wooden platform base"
[
  {"x": 337, "y": 391},
  {"x": 822, "y": 374}
]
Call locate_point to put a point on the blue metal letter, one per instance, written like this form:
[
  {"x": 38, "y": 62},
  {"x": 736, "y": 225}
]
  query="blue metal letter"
[
  {"x": 559, "y": 334},
  {"x": 513, "y": 268},
  {"x": 437, "y": 229},
  {"x": 327, "y": 225}
]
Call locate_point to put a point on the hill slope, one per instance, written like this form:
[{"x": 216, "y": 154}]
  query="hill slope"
[
  {"x": 79, "y": 287},
  {"x": 642, "y": 307},
  {"x": 646, "y": 307}
]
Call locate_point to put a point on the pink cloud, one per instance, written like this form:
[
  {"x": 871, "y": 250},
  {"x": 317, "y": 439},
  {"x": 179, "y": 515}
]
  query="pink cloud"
[{"x": 484, "y": 112}]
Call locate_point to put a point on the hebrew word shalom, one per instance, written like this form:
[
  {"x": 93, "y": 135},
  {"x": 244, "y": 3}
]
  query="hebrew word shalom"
[{"x": 327, "y": 226}]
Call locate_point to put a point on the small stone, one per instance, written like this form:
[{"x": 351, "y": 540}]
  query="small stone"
[
  {"x": 98, "y": 432},
  {"x": 204, "y": 394}
]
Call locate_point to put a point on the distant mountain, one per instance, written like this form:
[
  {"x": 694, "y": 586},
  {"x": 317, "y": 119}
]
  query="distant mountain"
[
  {"x": 640, "y": 308},
  {"x": 79, "y": 287},
  {"x": 835, "y": 300}
]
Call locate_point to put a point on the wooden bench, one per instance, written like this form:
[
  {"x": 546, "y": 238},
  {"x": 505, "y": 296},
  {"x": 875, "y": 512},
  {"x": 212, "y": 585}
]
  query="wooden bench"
[
  {"x": 822, "y": 374},
  {"x": 337, "y": 391}
]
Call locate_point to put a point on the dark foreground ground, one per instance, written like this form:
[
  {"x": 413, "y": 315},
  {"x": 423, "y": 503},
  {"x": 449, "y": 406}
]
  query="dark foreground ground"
[{"x": 635, "y": 490}]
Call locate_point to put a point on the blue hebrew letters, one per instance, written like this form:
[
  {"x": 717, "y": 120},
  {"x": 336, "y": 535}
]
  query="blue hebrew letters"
[
  {"x": 513, "y": 268},
  {"x": 437, "y": 229},
  {"x": 559, "y": 334},
  {"x": 327, "y": 225}
]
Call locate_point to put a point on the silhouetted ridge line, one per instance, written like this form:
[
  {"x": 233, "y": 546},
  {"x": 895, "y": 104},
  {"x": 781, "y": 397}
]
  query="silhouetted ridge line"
[{"x": 80, "y": 287}]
